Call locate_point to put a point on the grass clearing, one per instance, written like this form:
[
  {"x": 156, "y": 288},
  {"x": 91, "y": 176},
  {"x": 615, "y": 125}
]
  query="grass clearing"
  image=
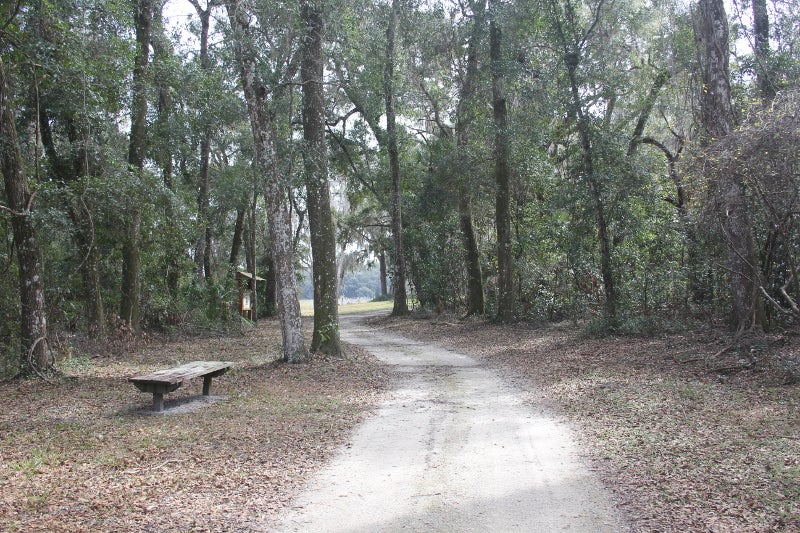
[{"x": 307, "y": 307}]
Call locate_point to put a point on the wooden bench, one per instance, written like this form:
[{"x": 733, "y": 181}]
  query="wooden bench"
[{"x": 168, "y": 380}]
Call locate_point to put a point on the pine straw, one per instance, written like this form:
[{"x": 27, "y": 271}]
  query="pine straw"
[
  {"x": 682, "y": 446},
  {"x": 83, "y": 454}
]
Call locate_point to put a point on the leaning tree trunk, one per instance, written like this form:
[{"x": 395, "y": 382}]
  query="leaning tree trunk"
[
  {"x": 129, "y": 302},
  {"x": 586, "y": 168},
  {"x": 571, "y": 60},
  {"x": 279, "y": 220},
  {"x": 399, "y": 274},
  {"x": 502, "y": 175},
  {"x": 325, "y": 337},
  {"x": 33, "y": 326},
  {"x": 711, "y": 35}
]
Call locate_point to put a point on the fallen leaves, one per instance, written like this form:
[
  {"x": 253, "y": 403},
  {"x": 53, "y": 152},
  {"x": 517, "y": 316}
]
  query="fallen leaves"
[
  {"x": 682, "y": 448},
  {"x": 80, "y": 456}
]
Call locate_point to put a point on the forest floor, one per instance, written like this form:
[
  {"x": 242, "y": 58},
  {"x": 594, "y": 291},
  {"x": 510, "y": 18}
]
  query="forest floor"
[
  {"x": 686, "y": 434},
  {"x": 688, "y": 431},
  {"x": 85, "y": 453}
]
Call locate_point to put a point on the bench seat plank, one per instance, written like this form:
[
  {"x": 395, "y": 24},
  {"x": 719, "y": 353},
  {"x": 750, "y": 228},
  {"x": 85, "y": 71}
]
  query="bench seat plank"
[
  {"x": 163, "y": 381},
  {"x": 171, "y": 376}
]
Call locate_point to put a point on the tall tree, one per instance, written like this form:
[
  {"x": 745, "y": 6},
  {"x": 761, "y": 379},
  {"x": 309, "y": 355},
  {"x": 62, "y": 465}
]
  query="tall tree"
[
  {"x": 400, "y": 306},
  {"x": 279, "y": 220},
  {"x": 69, "y": 162},
  {"x": 766, "y": 85},
  {"x": 163, "y": 55},
  {"x": 203, "y": 246},
  {"x": 465, "y": 114},
  {"x": 717, "y": 117},
  {"x": 35, "y": 350},
  {"x": 572, "y": 37},
  {"x": 325, "y": 337},
  {"x": 131, "y": 283},
  {"x": 502, "y": 175}
]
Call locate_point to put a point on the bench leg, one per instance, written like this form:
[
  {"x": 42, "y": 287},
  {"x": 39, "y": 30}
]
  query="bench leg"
[
  {"x": 206, "y": 385},
  {"x": 158, "y": 401}
]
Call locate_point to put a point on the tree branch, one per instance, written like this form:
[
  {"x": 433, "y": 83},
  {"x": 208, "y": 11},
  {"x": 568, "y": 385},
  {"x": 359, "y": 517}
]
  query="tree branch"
[{"x": 356, "y": 172}]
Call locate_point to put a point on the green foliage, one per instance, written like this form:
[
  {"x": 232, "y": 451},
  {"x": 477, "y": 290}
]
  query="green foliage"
[
  {"x": 432, "y": 236},
  {"x": 71, "y": 66}
]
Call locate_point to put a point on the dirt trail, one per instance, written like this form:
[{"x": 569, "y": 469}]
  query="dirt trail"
[{"x": 452, "y": 448}]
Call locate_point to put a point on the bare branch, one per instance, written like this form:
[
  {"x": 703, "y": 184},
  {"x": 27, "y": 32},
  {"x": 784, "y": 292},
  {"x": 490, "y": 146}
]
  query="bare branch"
[
  {"x": 8, "y": 209},
  {"x": 594, "y": 24}
]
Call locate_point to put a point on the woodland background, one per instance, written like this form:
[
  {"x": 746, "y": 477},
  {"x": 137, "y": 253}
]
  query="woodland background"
[{"x": 629, "y": 165}]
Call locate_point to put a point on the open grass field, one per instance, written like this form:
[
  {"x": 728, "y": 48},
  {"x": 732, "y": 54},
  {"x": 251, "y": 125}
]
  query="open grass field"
[{"x": 307, "y": 307}]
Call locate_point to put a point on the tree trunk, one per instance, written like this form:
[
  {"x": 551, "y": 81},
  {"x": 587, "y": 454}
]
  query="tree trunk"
[
  {"x": 382, "y": 270},
  {"x": 201, "y": 251},
  {"x": 172, "y": 263},
  {"x": 399, "y": 275},
  {"x": 761, "y": 50},
  {"x": 280, "y": 230},
  {"x": 163, "y": 155},
  {"x": 270, "y": 304},
  {"x": 647, "y": 108},
  {"x": 203, "y": 246},
  {"x": 571, "y": 61},
  {"x": 131, "y": 286},
  {"x": 236, "y": 242},
  {"x": 475, "y": 301},
  {"x": 502, "y": 175},
  {"x": 320, "y": 219},
  {"x": 698, "y": 290},
  {"x": 83, "y": 234},
  {"x": 129, "y": 302},
  {"x": 586, "y": 169},
  {"x": 250, "y": 240},
  {"x": 464, "y": 119},
  {"x": 35, "y": 354},
  {"x": 711, "y": 35}
]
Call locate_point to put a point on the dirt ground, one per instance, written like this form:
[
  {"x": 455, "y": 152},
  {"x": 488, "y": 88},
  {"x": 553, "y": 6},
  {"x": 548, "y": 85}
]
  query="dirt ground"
[
  {"x": 453, "y": 447},
  {"x": 85, "y": 454},
  {"x": 688, "y": 435}
]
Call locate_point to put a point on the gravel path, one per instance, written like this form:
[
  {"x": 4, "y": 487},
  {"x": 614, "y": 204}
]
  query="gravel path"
[{"x": 453, "y": 448}]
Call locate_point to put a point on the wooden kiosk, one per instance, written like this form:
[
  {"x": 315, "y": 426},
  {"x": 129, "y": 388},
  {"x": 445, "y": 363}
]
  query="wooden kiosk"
[{"x": 247, "y": 293}]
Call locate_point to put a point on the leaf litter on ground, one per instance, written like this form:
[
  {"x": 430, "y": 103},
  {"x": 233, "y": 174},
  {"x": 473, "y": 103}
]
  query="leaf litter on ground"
[
  {"x": 681, "y": 446},
  {"x": 84, "y": 454}
]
